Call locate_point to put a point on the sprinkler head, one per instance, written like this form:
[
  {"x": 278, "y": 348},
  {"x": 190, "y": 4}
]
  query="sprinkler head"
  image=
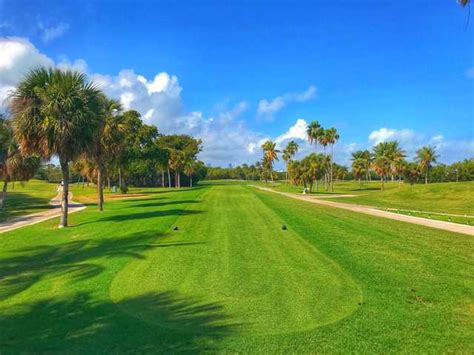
[{"x": 283, "y": 227}]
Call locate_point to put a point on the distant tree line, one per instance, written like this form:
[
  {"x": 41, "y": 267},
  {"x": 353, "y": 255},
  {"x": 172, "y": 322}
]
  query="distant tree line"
[
  {"x": 59, "y": 114},
  {"x": 386, "y": 162}
]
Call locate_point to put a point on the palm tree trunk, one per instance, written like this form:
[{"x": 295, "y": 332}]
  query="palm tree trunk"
[
  {"x": 426, "y": 176},
  {"x": 100, "y": 190},
  {"x": 162, "y": 177},
  {"x": 360, "y": 184},
  {"x": 120, "y": 180},
  {"x": 65, "y": 193},
  {"x": 108, "y": 183},
  {"x": 4, "y": 191},
  {"x": 271, "y": 177},
  {"x": 169, "y": 178},
  {"x": 190, "y": 181}
]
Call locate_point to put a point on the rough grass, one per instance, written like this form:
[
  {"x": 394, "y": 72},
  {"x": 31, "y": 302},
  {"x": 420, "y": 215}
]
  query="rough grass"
[
  {"x": 231, "y": 280},
  {"x": 450, "y": 198}
]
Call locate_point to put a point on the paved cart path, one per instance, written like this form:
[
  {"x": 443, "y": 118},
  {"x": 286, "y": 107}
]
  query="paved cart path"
[
  {"x": 447, "y": 226},
  {"x": 34, "y": 218}
]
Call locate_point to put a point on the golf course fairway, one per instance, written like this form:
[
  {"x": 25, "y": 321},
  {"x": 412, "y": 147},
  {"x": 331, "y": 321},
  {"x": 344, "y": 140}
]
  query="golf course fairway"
[{"x": 268, "y": 280}]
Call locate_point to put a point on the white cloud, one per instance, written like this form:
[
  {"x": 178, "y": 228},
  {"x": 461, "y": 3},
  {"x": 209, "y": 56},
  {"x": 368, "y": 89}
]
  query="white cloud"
[
  {"x": 388, "y": 134},
  {"x": 50, "y": 33},
  {"x": 267, "y": 108},
  {"x": 297, "y": 131},
  {"x": 410, "y": 141},
  {"x": 17, "y": 57}
]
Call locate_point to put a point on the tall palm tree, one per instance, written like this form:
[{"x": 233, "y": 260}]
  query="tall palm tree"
[
  {"x": 426, "y": 157},
  {"x": 270, "y": 154},
  {"x": 313, "y": 131},
  {"x": 56, "y": 112},
  {"x": 358, "y": 169},
  {"x": 332, "y": 137},
  {"x": 381, "y": 166},
  {"x": 366, "y": 158},
  {"x": 189, "y": 169},
  {"x": 288, "y": 154}
]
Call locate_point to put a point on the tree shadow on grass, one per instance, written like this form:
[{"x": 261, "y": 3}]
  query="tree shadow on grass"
[
  {"x": 18, "y": 203},
  {"x": 146, "y": 215},
  {"x": 152, "y": 322},
  {"x": 153, "y": 203},
  {"x": 75, "y": 260}
]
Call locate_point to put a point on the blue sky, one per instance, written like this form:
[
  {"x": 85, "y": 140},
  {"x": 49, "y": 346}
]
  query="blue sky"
[{"x": 244, "y": 71}]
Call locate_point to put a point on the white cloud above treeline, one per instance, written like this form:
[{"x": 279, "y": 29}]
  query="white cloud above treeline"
[
  {"x": 267, "y": 108},
  {"x": 226, "y": 136}
]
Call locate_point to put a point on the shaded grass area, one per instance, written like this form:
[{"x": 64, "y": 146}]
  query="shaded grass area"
[
  {"x": 231, "y": 280},
  {"x": 26, "y": 198}
]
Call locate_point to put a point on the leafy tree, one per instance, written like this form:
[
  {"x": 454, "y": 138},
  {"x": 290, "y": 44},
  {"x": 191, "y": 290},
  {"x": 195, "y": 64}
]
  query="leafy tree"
[
  {"x": 314, "y": 131},
  {"x": 13, "y": 164},
  {"x": 288, "y": 154},
  {"x": 426, "y": 157},
  {"x": 56, "y": 112},
  {"x": 270, "y": 154},
  {"x": 382, "y": 166},
  {"x": 332, "y": 138}
]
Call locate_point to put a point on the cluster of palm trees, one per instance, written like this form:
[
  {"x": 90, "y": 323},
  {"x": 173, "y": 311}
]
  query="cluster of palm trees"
[
  {"x": 387, "y": 160},
  {"x": 59, "y": 113},
  {"x": 312, "y": 168}
]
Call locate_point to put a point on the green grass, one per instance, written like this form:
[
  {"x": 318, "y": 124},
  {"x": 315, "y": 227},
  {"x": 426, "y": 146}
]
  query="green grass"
[
  {"x": 450, "y": 198},
  {"x": 231, "y": 280},
  {"x": 25, "y": 198}
]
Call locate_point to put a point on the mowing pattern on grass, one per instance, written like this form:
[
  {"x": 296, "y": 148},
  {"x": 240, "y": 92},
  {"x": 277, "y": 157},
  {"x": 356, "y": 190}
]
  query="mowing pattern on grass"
[
  {"x": 267, "y": 280},
  {"x": 67, "y": 290}
]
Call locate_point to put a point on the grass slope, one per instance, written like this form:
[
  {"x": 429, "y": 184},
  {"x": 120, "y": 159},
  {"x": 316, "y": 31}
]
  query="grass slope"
[
  {"x": 451, "y": 198},
  {"x": 231, "y": 280},
  {"x": 25, "y": 198}
]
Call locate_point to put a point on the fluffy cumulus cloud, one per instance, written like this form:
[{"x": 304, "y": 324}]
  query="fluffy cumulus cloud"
[
  {"x": 449, "y": 150},
  {"x": 17, "y": 56},
  {"x": 226, "y": 139},
  {"x": 267, "y": 108},
  {"x": 388, "y": 134}
]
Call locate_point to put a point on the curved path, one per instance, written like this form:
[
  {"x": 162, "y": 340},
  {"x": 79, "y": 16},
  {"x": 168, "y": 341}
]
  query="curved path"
[
  {"x": 34, "y": 218},
  {"x": 447, "y": 226}
]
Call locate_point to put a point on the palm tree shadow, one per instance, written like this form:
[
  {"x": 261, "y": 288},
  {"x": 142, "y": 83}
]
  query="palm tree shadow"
[
  {"x": 74, "y": 259},
  {"x": 152, "y": 322}
]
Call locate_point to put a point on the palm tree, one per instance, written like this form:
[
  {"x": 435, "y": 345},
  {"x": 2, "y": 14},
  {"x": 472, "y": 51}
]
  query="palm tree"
[
  {"x": 13, "y": 164},
  {"x": 270, "y": 154},
  {"x": 313, "y": 131},
  {"x": 358, "y": 169},
  {"x": 381, "y": 166},
  {"x": 332, "y": 137},
  {"x": 426, "y": 157},
  {"x": 189, "y": 169},
  {"x": 56, "y": 112},
  {"x": 107, "y": 144},
  {"x": 288, "y": 154},
  {"x": 365, "y": 157}
]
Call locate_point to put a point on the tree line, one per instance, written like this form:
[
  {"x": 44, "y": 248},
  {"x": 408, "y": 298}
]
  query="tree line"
[
  {"x": 55, "y": 113},
  {"x": 386, "y": 161}
]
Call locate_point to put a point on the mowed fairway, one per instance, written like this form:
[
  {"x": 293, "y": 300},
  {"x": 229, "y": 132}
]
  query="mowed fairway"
[
  {"x": 269, "y": 280},
  {"x": 231, "y": 280}
]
